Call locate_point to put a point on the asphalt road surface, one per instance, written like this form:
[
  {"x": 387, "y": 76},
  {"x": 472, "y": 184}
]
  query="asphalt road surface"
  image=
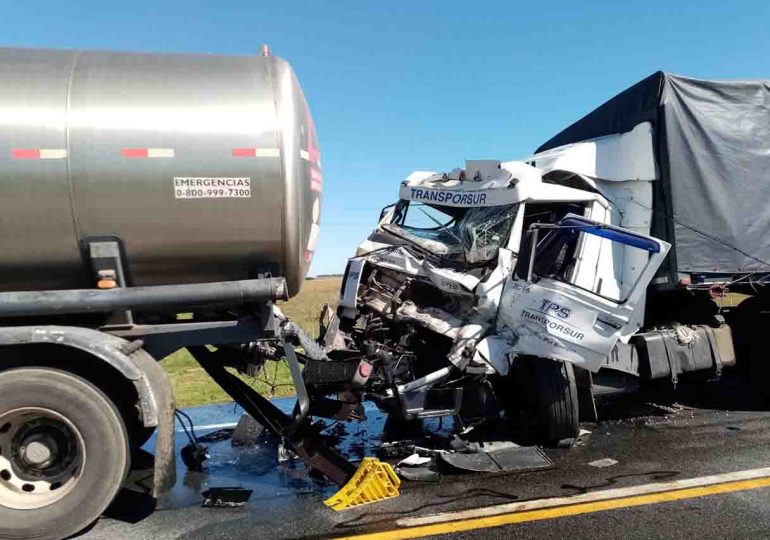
[{"x": 695, "y": 467}]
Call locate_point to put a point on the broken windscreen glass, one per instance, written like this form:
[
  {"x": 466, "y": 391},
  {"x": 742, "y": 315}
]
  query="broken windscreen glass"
[{"x": 471, "y": 235}]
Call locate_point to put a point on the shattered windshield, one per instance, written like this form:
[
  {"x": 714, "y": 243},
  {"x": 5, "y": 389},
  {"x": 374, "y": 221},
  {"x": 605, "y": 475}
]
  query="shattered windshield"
[{"x": 471, "y": 235}]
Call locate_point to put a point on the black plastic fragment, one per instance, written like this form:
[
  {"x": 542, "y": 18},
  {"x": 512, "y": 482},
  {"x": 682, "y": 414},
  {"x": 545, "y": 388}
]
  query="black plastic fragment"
[
  {"x": 193, "y": 456},
  {"x": 419, "y": 474}
]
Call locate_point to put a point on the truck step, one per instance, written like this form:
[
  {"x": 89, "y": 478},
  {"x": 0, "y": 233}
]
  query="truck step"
[{"x": 432, "y": 403}]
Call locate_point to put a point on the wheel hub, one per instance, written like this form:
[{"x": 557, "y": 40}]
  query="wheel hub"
[
  {"x": 41, "y": 456},
  {"x": 39, "y": 452},
  {"x": 43, "y": 447}
]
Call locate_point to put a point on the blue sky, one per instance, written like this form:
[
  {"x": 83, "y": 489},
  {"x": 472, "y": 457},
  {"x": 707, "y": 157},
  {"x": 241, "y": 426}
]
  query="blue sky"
[{"x": 396, "y": 86}]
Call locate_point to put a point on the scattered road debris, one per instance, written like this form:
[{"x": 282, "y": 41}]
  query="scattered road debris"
[
  {"x": 225, "y": 497},
  {"x": 194, "y": 455},
  {"x": 414, "y": 460},
  {"x": 419, "y": 474},
  {"x": 606, "y": 462},
  {"x": 248, "y": 431}
]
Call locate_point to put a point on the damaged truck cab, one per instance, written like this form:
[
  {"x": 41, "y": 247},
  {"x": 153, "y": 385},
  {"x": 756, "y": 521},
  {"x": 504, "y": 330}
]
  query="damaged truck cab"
[{"x": 490, "y": 281}]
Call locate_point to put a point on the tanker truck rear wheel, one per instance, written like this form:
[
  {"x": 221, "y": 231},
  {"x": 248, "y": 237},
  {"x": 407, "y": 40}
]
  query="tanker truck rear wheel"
[{"x": 64, "y": 453}]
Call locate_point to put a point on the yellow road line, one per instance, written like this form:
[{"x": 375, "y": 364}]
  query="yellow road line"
[
  {"x": 564, "y": 510},
  {"x": 591, "y": 496}
]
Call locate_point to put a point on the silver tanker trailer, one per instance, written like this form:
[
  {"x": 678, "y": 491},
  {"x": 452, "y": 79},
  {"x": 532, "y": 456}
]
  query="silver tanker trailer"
[{"x": 136, "y": 187}]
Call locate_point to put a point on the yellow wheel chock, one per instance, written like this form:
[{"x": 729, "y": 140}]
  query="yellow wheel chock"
[{"x": 373, "y": 481}]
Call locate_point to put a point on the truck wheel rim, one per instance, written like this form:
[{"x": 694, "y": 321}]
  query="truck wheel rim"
[{"x": 42, "y": 455}]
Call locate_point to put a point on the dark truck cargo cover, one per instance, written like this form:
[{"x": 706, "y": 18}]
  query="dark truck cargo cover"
[{"x": 712, "y": 149}]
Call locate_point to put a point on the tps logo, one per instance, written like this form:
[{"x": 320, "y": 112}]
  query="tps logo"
[{"x": 552, "y": 308}]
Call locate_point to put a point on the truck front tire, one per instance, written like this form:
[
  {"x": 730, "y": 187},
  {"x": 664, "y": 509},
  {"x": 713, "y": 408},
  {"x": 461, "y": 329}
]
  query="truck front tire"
[
  {"x": 64, "y": 453},
  {"x": 557, "y": 399}
]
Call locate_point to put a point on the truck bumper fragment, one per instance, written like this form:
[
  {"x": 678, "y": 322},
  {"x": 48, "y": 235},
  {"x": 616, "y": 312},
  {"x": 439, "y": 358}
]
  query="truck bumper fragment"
[{"x": 373, "y": 481}]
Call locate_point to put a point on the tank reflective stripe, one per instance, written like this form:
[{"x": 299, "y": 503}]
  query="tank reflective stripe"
[
  {"x": 39, "y": 153},
  {"x": 316, "y": 179},
  {"x": 148, "y": 152},
  {"x": 256, "y": 152},
  {"x": 314, "y": 154},
  {"x": 313, "y": 238},
  {"x": 304, "y": 154},
  {"x": 316, "y": 210},
  {"x": 312, "y": 157}
]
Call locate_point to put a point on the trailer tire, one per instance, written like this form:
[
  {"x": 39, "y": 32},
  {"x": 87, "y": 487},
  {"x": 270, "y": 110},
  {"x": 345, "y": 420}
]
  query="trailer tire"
[
  {"x": 78, "y": 464},
  {"x": 557, "y": 400}
]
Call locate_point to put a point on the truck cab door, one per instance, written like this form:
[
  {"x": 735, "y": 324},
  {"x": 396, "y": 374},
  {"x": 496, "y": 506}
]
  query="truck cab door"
[{"x": 548, "y": 309}]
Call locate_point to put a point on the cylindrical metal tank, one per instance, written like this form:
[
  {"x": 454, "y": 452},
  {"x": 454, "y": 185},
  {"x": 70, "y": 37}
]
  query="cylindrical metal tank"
[{"x": 205, "y": 167}]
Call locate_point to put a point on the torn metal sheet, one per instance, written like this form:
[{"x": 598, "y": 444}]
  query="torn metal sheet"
[
  {"x": 493, "y": 350},
  {"x": 512, "y": 459},
  {"x": 435, "y": 319}
]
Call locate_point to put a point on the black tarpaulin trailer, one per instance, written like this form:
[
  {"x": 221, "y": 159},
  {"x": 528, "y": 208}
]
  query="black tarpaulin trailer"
[{"x": 711, "y": 143}]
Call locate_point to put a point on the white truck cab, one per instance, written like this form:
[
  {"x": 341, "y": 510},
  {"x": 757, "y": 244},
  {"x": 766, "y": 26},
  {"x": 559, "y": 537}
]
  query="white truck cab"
[{"x": 468, "y": 217}]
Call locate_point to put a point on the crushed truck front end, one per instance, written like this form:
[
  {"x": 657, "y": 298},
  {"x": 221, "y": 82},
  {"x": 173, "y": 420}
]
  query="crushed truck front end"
[{"x": 428, "y": 299}]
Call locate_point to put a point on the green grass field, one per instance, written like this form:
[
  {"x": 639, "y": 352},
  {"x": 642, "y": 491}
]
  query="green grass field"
[{"x": 192, "y": 386}]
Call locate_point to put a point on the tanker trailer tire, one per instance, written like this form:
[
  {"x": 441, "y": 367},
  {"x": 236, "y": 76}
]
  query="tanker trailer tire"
[
  {"x": 557, "y": 400},
  {"x": 64, "y": 453}
]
